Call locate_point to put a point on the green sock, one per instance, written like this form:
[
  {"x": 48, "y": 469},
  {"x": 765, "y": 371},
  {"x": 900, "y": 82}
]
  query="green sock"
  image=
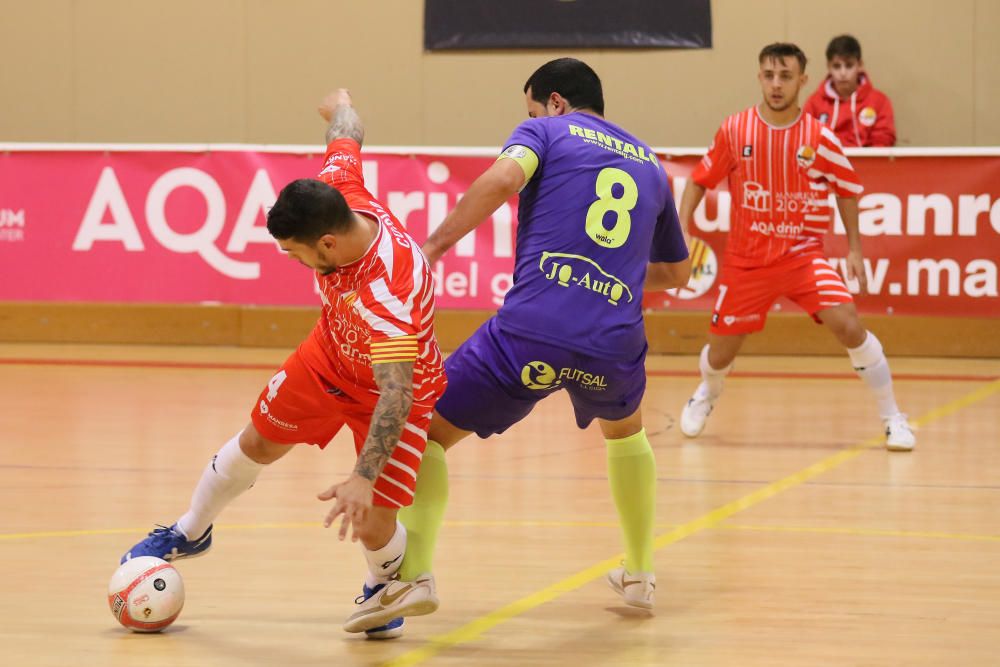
[
  {"x": 632, "y": 473},
  {"x": 424, "y": 517}
]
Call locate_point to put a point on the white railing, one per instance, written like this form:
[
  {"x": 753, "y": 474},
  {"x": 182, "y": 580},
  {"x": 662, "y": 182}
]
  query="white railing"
[{"x": 456, "y": 151}]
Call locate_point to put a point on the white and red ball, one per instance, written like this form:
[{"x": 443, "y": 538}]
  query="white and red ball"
[{"x": 146, "y": 594}]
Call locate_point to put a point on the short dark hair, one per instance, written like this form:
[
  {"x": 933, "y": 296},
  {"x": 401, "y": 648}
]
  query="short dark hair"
[
  {"x": 571, "y": 78},
  {"x": 307, "y": 209},
  {"x": 781, "y": 50},
  {"x": 845, "y": 46}
]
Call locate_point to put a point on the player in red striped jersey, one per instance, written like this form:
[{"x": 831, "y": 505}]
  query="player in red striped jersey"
[
  {"x": 782, "y": 166},
  {"x": 371, "y": 364}
]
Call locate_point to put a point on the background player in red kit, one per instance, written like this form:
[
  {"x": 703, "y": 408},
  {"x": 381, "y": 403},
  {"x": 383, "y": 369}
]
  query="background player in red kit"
[
  {"x": 782, "y": 165},
  {"x": 371, "y": 364}
]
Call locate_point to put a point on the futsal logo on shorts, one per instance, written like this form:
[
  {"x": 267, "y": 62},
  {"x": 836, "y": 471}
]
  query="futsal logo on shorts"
[{"x": 539, "y": 375}]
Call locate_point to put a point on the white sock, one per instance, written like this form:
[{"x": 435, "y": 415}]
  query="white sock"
[
  {"x": 871, "y": 366},
  {"x": 711, "y": 378},
  {"x": 384, "y": 562},
  {"x": 228, "y": 474}
]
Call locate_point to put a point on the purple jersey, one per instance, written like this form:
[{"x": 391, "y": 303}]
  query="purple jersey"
[{"x": 596, "y": 209}]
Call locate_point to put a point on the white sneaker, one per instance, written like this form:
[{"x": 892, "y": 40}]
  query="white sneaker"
[
  {"x": 696, "y": 412},
  {"x": 638, "y": 590},
  {"x": 397, "y": 598},
  {"x": 898, "y": 434}
]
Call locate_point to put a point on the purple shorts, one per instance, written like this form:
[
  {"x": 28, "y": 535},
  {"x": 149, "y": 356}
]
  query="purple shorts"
[{"x": 495, "y": 378}]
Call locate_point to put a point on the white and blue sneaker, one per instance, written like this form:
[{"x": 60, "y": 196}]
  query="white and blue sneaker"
[
  {"x": 390, "y": 630},
  {"x": 170, "y": 544},
  {"x": 388, "y": 602}
]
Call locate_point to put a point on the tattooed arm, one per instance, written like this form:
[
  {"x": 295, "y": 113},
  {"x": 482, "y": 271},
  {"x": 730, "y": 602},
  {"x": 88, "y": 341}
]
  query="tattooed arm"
[
  {"x": 338, "y": 110},
  {"x": 354, "y": 497},
  {"x": 395, "y": 384}
]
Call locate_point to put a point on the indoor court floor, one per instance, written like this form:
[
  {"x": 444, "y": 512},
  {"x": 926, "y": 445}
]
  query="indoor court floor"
[{"x": 786, "y": 534}]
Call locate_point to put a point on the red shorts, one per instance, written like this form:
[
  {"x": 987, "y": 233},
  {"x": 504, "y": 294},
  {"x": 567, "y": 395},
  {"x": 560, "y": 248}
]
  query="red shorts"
[
  {"x": 747, "y": 294},
  {"x": 299, "y": 405}
]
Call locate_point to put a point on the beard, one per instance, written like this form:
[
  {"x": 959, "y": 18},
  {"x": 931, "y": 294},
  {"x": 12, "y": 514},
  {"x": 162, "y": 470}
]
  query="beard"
[
  {"x": 778, "y": 108},
  {"x": 788, "y": 102}
]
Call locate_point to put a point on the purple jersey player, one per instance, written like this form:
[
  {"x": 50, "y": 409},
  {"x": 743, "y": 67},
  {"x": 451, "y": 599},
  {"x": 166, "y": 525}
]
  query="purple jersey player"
[{"x": 596, "y": 225}]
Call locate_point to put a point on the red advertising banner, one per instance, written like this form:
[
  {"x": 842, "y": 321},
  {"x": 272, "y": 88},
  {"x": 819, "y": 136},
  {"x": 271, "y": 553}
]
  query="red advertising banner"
[
  {"x": 930, "y": 228},
  {"x": 186, "y": 225}
]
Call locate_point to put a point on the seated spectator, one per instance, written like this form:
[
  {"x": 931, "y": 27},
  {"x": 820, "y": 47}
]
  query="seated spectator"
[{"x": 847, "y": 103}]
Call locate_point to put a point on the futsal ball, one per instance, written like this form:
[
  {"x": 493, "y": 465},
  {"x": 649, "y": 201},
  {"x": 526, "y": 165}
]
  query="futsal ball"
[{"x": 146, "y": 594}]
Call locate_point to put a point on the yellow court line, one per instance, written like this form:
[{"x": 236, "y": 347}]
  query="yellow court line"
[
  {"x": 673, "y": 536},
  {"x": 118, "y": 531},
  {"x": 475, "y": 628},
  {"x": 865, "y": 532},
  {"x": 540, "y": 524}
]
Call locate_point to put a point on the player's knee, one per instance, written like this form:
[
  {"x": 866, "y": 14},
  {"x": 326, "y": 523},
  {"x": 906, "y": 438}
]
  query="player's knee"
[
  {"x": 848, "y": 330},
  {"x": 720, "y": 359},
  {"x": 258, "y": 448},
  {"x": 855, "y": 334}
]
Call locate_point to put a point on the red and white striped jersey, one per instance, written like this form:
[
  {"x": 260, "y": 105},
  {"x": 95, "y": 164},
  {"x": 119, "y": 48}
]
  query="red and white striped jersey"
[
  {"x": 379, "y": 309},
  {"x": 780, "y": 179}
]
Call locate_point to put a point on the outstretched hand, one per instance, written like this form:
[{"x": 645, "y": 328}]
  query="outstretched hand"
[
  {"x": 339, "y": 97},
  {"x": 353, "y": 500}
]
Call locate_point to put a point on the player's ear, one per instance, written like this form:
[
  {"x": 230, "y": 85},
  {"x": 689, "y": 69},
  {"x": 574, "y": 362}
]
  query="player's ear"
[
  {"x": 558, "y": 104},
  {"x": 327, "y": 242}
]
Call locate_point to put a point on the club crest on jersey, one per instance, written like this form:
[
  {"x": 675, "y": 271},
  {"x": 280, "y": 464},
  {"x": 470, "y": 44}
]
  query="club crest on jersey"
[
  {"x": 867, "y": 116},
  {"x": 805, "y": 156},
  {"x": 823, "y": 117},
  {"x": 748, "y": 151}
]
